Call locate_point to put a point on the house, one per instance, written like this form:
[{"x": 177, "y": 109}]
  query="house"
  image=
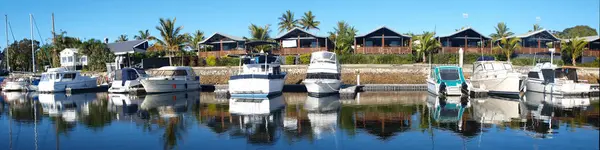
[
  {"x": 219, "y": 44},
  {"x": 382, "y": 40},
  {"x": 300, "y": 41},
  {"x": 72, "y": 59},
  {"x": 593, "y": 45},
  {"x": 122, "y": 51},
  {"x": 537, "y": 41},
  {"x": 467, "y": 38}
]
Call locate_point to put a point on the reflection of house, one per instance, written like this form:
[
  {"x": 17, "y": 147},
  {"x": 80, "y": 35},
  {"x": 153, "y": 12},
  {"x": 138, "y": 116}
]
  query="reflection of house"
[
  {"x": 122, "y": 51},
  {"x": 537, "y": 41},
  {"x": 71, "y": 58},
  {"x": 470, "y": 40},
  {"x": 382, "y": 40},
  {"x": 220, "y": 44},
  {"x": 299, "y": 41}
]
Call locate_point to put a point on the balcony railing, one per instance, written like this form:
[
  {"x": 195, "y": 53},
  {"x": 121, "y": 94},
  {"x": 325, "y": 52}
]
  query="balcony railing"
[
  {"x": 220, "y": 53},
  {"x": 383, "y": 50},
  {"x": 485, "y": 50},
  {"x": 298, "y": 51}
]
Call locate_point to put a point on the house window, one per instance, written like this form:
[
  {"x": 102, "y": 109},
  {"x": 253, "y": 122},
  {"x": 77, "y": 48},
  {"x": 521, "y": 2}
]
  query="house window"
[
  {"x": 64, "y": 59},
  {"x": 70, "y": 59},
  {"x": 83, "y": 59}
]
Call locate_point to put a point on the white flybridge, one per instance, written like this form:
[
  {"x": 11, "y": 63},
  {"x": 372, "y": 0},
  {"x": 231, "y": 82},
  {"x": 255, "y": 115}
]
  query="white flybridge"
[
  {"x": 259, "y": 75},
  {"x": 323, "y": 76},
  {"x": 498, "y": 77},
  {"x": 59, "y": 79},
  {"x": 171, "y": 79},
  {"x": 127, "y": 80},
  {"x": 547, "y": 78}
]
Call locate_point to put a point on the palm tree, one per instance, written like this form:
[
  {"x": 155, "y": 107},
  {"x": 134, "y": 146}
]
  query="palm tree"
[
  {"x": 426, "y": 44},
  {"x": 574, "y": 47},
  {"x": 122, "y": 38},
  {"x": 258, "y": 32},
  {"x": 501, "y": 31},
  {"x": 343, "y": 37},
  {"x": 171, "y": 39},
  {"x": 144, "y": 35},
  {"x": 508, "y": 46},
  {"x": 308, "y": 21},
  {"x": 198, "y": 36},
  {"x": 287, "y": 21},
  {"x": 536, "y": 27}
]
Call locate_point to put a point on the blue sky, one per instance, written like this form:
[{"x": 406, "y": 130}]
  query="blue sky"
[{"x": 110, "y": 18}]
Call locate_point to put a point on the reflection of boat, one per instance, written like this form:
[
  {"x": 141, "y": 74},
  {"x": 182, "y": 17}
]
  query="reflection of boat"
[
  {"x": 498, "y": 77},
  {"x": 171, "y": 79},
  {"x": 447, "y": 109},
  {"x": 323, "y": 75},
  {"x": 14, "y": 96},
  {"x": 59, "y": 79},
  {"x": 128, "y": 103},
  {"x": 447, "y": 80},
  {"x": 259, "y": 75},
  {"x": 496, "y": 111},
  {"x": 64, "y": 105},
  {"x": 547, "y": 78},
  {"x": 127, "y": 80},
  {"x": 259, "y": 118},
  {"x": 323, "y": 113},
  {"x": 170, "y": 104},
  {"x": 556, "y": 100}
]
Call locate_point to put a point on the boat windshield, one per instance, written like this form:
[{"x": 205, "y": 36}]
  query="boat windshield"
[
  {"x": 259, "y": 60},
  {"x": 48, "y": 77},
  {"x": 324, "y": 57},
  {"x": 449, "y": 74},
  {"x": 170, "y": 73}
]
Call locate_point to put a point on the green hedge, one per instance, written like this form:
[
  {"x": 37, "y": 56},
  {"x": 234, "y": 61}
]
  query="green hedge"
[
  {"x": 305, "y": 59},
  {"x": 228, "y": 61},
  {"x": 290, "y": 60},
  {"x": 211, "y": 61},
  {"x": 469, "y": 58},
  {"x": 375, "y": 59}
]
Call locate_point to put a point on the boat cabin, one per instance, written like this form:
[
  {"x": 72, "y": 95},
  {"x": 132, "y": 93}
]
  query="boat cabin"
[
  {"x": 174, "y": 71},
  {"x": 129, "y": 74},
  {"x": 59, "y": 74},
  {"x": 450, "y": 75},
  {"x": 543, "y": 71},
  {"x": 261, "y": 64}
]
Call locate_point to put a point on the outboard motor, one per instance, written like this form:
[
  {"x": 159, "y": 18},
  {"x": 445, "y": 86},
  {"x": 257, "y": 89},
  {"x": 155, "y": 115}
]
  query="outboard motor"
[
  {"x": 464, "y": 89},
  {"x": 442, "y": 90}
]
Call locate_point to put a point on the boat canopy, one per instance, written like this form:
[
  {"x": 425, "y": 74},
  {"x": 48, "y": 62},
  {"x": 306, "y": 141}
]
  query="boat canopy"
[
  {"x": 450, "y": 75},
  {"x": 323, "y": 56}
]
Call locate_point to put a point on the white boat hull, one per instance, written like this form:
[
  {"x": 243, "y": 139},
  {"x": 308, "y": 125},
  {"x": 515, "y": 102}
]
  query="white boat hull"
[
  {"x": 558, "y": 89},
  {"x": 504, "y": 86},
  {"x": 129, "y": 86},
  {"x": 434, "y": 88},
  {"x": 255, "y": 86},
  {"x": 322, "y": 86},
  {"x": 19, "y": 86},
  {"x": 51, "y": 86},
  {"x": 164, "y": 86}
]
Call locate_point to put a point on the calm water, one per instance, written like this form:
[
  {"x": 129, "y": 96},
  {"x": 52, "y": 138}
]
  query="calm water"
[{"x": 390, "y": 120}]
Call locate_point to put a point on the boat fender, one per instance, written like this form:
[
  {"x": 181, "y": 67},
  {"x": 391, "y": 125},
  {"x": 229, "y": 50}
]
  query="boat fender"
[
  {"x": 442, "y": 101},
  {"x": 465, "y": 88},
  {"x": 464, "y": 100}
]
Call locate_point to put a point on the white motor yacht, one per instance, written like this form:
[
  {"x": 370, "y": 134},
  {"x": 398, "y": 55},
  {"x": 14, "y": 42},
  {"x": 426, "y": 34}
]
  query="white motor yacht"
[
  {"x": 127, "y": 80},
  {"x": 171, "y": 79},
  {"x": 323, "y": 76},
  {"x": 497, "y": 77},
  {"x": 547, "y": 78},
  {"x": 59, "y": 79},
  {"x": 22, "y": 84},
  {"x": 259, "y": 76}
]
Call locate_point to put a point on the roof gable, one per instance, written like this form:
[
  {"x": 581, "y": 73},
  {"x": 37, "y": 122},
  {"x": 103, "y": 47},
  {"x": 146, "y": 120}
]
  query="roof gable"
[
  {"x": 219, "y": 36},
  {"x": 128, "y": 46},
  {"x": 544, "y": 33},
  {"x": 465, "y": 32},
  {"x": 383, "y": 29},
  {"x": 297, "y": 30}
]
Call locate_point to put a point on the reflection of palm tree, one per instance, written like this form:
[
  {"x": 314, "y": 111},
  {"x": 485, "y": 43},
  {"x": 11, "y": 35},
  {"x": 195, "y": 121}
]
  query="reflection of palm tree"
[
  {"x": 173, "y": 132},
  {"x": 99, "y": 116}
]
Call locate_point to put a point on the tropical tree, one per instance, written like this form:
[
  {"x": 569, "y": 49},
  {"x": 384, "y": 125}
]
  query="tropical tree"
[
  {"x": 144, "y": 35},
  {"x": 501, "y": 31},
  {"x": 258, "y": 32},
  {"x": 198, "y": 36},
  {"x": 98, "y": 54},
  {"x": 171, "y": 39},
  {"x": 508, "y": 46},
  {"x": 578, "y": 31},
  {"x": 574, "y": 48},
  {"x": 20, "y": 54},
  {"x": 59, "y": 43},
  {"x": 536, "y": 27},
  {"x": 308, "y": 21},
  {"x": 287, "y": 21},
  {"x": 122, "y": 38},
  {"x": 343, "y": 37},
  {"x": 426, "y": 44}
]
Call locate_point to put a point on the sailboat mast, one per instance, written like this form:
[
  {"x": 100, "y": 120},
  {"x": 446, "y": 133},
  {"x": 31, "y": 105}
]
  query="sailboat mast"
[
  {"x": 53, "y": 42},
  {"x": 6, "y": 53},
  {"x": 32, "y": 47}
]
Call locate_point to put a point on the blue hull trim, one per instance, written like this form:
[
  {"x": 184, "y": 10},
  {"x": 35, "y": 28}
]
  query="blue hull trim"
[{"x": 504, "y": 94}]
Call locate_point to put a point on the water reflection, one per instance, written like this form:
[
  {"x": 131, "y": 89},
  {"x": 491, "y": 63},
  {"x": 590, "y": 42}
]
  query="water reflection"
[{"x": 184, "y": 120}]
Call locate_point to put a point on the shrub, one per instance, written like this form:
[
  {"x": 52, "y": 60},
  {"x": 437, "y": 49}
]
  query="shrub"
[
  {"x": 192, "y": 62},
  {"x": 595, "y": 63},
  {"x": 353, "y": 59},
  {"x": 305, "y": 59},
  {"x": 290, "y": 60},
  {"x": 228, "y": 61},
  {"x": 376, "y": 59},
  {"x": 211, "y": 61}
]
